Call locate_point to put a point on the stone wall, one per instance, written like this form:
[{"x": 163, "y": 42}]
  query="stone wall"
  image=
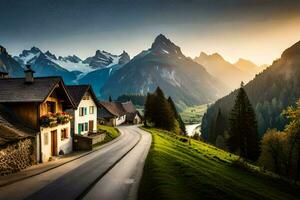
[{"x": 16, "y": 157}]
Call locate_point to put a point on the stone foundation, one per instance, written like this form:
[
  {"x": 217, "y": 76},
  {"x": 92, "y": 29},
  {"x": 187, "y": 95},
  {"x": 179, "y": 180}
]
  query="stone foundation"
[{"x": 16, "y": 157}]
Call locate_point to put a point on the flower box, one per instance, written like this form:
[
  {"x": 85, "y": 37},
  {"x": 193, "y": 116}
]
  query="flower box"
[{"x": 54, "y": 119}]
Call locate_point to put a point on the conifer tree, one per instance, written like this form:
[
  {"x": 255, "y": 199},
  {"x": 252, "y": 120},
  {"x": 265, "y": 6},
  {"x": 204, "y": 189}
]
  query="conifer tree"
[
  {"x": 110, "y": 99},
  {"x": 148, "y": 109},
  {"x": 219, "y": 124},
  {"x": 162, "y": 115},
  {"x": 243, "y": 128},
  {"x": 177, "y": 116}
]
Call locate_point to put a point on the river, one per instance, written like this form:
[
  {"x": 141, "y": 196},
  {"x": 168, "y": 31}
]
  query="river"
[{"x": 190, "y": 129}]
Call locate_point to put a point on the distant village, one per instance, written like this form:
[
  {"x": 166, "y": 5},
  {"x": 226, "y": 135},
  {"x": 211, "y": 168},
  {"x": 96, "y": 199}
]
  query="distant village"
[{"x": 52, "y": 118}]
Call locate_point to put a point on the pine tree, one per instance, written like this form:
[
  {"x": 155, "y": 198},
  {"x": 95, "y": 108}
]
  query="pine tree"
[
  {"x": 110, "y": 99},
  {"x": 243, "y": 128},
  {"x": 148, "y": 109},
  {"x": 177, "y": 116},
  {"x": 219, "y": 124},
  {"x": 162, "y": 115}
]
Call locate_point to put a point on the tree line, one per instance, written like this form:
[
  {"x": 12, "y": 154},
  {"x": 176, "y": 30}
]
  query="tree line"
[
  {"x": 277, "y": 151},
  {"x": 162, "y": 113},
  {"x": 281, "y": 149}
]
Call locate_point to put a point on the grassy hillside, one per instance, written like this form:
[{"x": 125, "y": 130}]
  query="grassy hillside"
[
  {"x": 176, "y": 170},
  {"x": 112, "y": 133},
  {"x": 194, "y": 114}
]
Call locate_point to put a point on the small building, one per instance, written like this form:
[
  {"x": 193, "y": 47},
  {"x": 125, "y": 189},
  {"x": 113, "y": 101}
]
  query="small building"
[
  {"x": 132, "y": 114},
  {"x": 111, "y": 113},
  {"x": 85, "y": 116},
  {"x": 117, "y": 113},
  {"x": 39, "y": 105}
]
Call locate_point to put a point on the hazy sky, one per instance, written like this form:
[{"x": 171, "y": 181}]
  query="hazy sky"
[{"x": 258, "y": 30}]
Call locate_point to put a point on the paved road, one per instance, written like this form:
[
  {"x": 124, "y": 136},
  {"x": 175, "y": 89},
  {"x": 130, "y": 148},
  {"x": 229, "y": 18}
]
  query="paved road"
[
  {"x": 122, "y": 181},
  {"x": 116, "y": 167}
]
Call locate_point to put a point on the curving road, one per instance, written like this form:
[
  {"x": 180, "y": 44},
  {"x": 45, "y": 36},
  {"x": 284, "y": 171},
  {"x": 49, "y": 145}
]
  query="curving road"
[{"x": 113, "y": 172}]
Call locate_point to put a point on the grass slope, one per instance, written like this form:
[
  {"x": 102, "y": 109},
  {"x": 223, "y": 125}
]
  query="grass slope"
[
  {"x": 177, "y": 170},
  {"x": 112, "y": 133},
  {"x": 194, "y": 114}
]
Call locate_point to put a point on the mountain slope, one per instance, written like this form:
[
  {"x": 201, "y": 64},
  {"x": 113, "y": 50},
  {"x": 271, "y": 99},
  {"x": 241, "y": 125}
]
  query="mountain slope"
[
  {"x": 8, "y": 64},
  {"x": 270, "y": 92},
  {"x": 45, "y": 64},
  {"x": 248, "y": 66},
  {"x": 101, "y": 74},
  {"x": 164, "y": 65},
  {"x": 94, "y": 70},
  {"x": 228, "y": 73}
]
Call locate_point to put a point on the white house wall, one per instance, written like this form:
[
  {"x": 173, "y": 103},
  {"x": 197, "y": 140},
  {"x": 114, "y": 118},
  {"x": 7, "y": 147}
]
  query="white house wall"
[
  {"x": 120, "y": 120},
  {"x": 85, "y": 118},
  {"x": 65, "y": 145}
]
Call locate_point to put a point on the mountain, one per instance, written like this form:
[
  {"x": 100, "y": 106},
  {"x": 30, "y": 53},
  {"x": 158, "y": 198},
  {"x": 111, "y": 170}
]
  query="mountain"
[
  {"x": 228, "y": 73},
  {"x": 248, "y": 66},
  {"x": 269, "y": 92},
  {"x": 94, "y": 70},
  {"x": 100, "y": 75},
  {"x": 8, "y": 64},
  {"x": 104, "y": 59},
  {"x": 164, "y": 65},
  {"x": 47, "y": 64}
]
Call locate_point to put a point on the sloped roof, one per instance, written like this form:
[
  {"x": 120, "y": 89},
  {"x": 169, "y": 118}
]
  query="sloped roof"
[
  {"x": 115, "y": 108},
  {"x": 131, "y": 111},
  {"x": 129, "y": 107},
  {"x": 16, "y": 90},
  {"x": 77, "y": 92}
]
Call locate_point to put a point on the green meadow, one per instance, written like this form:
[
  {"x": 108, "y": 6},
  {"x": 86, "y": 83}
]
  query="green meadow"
[{"x": 177, "y": 168}]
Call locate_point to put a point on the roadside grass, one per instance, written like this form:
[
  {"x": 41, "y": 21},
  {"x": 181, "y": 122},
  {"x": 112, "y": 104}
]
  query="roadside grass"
[
  {"x": 112, "y": 133},
  {"x": 177, "y": 170},
  {"x": 194, "y": 114}
]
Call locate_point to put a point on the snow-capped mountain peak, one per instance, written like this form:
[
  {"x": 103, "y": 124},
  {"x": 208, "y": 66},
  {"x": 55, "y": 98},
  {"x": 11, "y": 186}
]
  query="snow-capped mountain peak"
[
  {"x": 28, "y": 56},
  {"x": 74, "y": 59},
  {"x": 103, "y": 59},
  {"x": 50, "y": 55}
]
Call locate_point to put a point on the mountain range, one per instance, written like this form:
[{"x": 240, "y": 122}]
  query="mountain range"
[
  {"x": 269, "y": 92},
  {"x": 165, "y": 65},
  {"x": 230, "y": 74},
  {"x": 188, "y": 81}
]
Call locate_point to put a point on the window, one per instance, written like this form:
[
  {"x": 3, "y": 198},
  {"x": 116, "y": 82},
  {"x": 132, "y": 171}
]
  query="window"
[
  {"x": 46, "y": 139},
  {"x": 91, "y": 109},
  {"x": 86, "y": 126},
  {"x": 51, "y": 107},
  {"x": 82, "y": 111},
  {"x": 64, "y": 134},
  {"x": 80, "y": 128},
  {"x": 86, "y": 96}
]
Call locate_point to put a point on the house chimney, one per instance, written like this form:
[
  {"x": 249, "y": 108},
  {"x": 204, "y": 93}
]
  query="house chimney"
[
  {"x": 3, "y": 75},
  {"x": 29, "y": 74}
]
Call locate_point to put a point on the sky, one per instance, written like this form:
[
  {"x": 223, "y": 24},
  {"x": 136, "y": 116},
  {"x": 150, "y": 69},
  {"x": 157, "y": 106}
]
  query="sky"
[{"x": 258, "y": 30}]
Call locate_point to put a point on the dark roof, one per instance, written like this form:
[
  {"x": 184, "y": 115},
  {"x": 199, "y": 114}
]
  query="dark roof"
[
  {"x": 3, "y": 72},
  {"x": 16, "y": 90},
  {"x": 77, "y": 92},
  {"x": 103, "y": 113},
  {"x": 131, "y": 111},
  {"x": 115, "y": 108},
  {"x": 129, "y": 107}
]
